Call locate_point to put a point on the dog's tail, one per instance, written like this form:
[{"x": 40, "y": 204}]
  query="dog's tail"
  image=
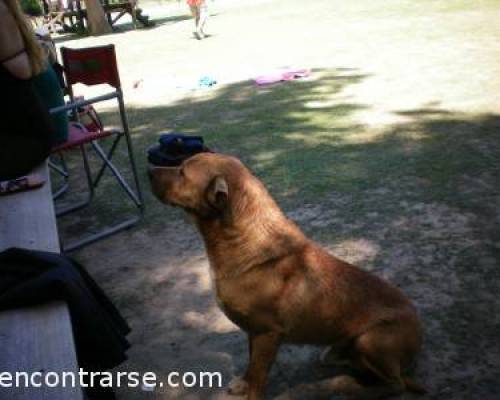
[{"x": 414, "y": 387}]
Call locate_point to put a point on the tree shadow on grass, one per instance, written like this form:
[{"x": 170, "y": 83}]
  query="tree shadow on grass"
[
  {"x": 304, "y": 138},
  {"x": 405, "y": 188},
  {"x": 249, "y": 122}
]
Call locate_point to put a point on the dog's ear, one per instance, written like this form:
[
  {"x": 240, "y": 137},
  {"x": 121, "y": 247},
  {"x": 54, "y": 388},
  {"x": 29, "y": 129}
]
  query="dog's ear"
[{"x": 217, "y": 193}]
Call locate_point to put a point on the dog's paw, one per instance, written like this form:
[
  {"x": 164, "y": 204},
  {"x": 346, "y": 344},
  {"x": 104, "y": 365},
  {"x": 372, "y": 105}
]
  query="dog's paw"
[{"x": 237, "y": 387}]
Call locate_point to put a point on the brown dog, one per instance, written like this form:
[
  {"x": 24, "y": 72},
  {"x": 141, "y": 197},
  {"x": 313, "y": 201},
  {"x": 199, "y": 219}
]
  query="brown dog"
[{"x": 279, "y": 286}]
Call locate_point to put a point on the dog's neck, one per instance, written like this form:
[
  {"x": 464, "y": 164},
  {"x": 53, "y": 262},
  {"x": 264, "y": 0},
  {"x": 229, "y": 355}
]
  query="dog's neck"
[{"x": 253, "y": 230}]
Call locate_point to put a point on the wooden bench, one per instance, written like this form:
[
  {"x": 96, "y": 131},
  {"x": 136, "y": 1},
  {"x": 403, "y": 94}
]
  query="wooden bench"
[
  {"x": 122, "y": 8},
  {"x": 75, "y": 19},
  {"x": 35, "y": 339}
]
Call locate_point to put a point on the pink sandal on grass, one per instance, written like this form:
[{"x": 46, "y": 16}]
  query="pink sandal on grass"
[{"x": 282, "y": 76}]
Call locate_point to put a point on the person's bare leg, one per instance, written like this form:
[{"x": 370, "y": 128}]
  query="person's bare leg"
[
  {"x": 195, "y": 12},
  {"x": 203, "y": 13}
]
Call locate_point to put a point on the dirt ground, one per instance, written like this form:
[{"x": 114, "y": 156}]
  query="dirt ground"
[
  {"x": 436, "y": 254},
  {"x": 410, "y": 190}
]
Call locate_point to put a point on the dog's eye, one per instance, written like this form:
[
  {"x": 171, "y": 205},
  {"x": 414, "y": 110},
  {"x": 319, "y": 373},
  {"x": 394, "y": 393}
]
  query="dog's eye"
[{"x": 181, "y": 172}]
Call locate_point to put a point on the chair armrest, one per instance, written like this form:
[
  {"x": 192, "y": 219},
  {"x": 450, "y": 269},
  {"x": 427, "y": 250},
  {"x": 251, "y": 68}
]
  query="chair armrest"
[{"x": 80, "y": 103}]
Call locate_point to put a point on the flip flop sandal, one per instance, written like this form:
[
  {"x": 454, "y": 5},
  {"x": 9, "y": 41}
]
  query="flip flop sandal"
[
  {"x": 21, "y": 184},
  {"x": 296, "y": 74},
  {"x": 281, "y": 76}
]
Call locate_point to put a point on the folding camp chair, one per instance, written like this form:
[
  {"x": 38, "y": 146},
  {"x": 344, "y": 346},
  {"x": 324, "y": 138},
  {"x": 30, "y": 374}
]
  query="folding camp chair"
[{"x": 96, "y": 66}]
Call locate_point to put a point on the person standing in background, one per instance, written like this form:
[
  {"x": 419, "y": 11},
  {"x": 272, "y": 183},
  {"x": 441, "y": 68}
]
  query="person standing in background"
[{"x": 199, "y": 10}]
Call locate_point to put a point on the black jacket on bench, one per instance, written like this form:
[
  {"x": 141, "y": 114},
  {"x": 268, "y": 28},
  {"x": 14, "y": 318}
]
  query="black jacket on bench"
[{"x": 29, "y": 278}]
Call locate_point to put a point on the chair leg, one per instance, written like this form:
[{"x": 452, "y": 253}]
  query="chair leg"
[
  {"x": 109, "y": 155},
  {"x": 134, "y": 168},
  {"x": 123, "y": 183},
  {"x": 101, "y": 235},
  {"x": 62, "y": 170},
  {"x": 135, "y": 196},
  {"x": 126, "y": 131},
  {"x": 90, "y": 186}
]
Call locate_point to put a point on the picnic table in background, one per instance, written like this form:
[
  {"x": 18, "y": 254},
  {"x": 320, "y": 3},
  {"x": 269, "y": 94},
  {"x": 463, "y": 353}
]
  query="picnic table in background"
[{"x": 71, "y": 15}]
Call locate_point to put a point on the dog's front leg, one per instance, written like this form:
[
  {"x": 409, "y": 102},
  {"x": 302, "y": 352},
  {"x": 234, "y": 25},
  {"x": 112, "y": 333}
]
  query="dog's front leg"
[
  {"x": 239, "y": 385},
  {"x": 263, "y": 350}
]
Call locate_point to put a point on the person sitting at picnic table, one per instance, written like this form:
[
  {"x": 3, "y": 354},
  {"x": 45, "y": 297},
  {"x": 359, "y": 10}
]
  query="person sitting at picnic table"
[{"x": 30, "y": 88}]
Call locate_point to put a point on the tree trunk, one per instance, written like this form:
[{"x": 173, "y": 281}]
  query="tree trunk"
[{"x": 98, "y": 24}]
